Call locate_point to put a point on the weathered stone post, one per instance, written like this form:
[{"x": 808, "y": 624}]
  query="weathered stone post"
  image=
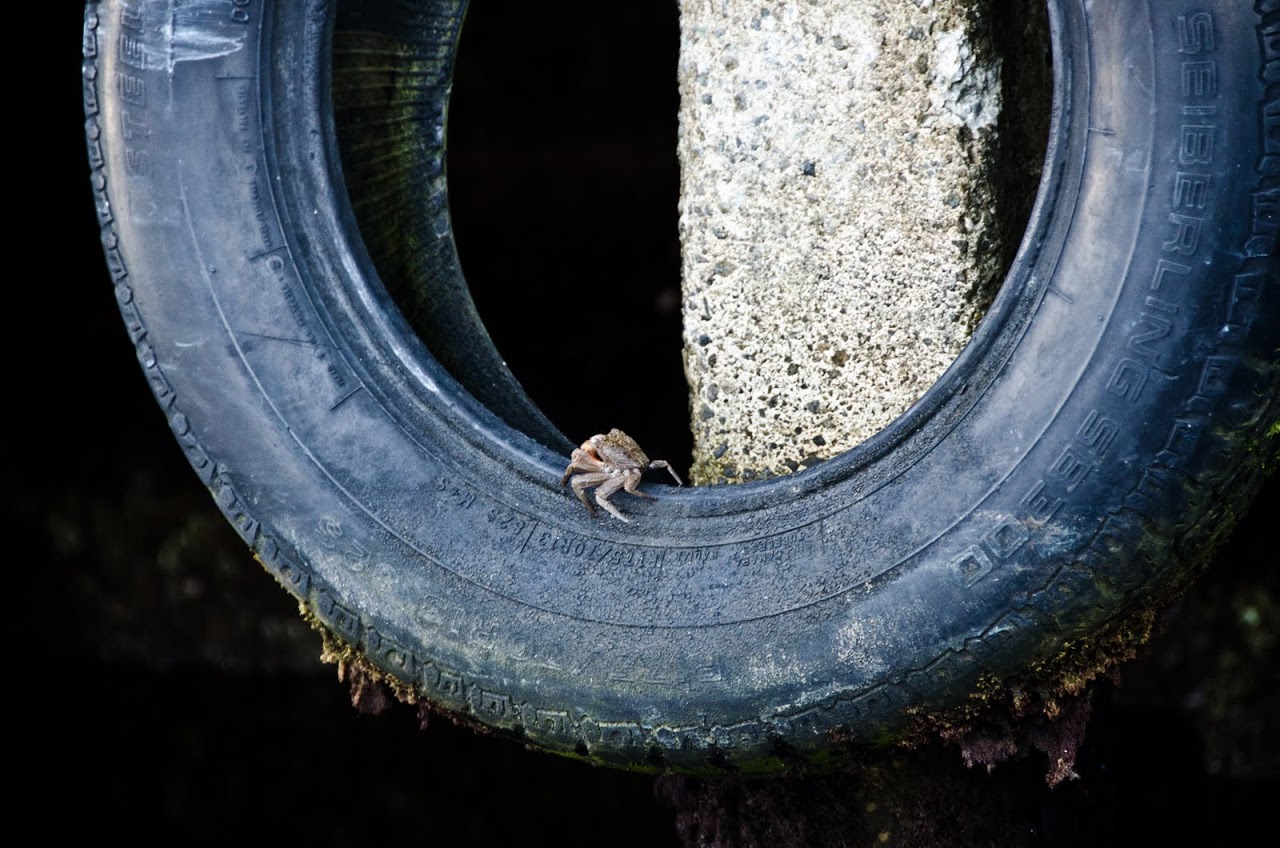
[{"x": 836, "y": 218}]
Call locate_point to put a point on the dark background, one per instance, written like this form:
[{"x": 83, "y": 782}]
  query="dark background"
[{"x": 165, "y": 684}]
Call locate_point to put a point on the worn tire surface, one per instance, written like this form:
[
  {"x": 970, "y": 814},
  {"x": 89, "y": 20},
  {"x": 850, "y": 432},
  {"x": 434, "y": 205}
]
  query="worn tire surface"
[{"x": 1113, "y": 413}]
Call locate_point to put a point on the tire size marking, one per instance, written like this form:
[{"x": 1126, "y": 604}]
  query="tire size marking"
[
  {"x": 519, "y": 528},
  {"x": 779, "y": 551},
  {"x": 509, "y": 522},
  {"x": 454, "y": 494},
  {"x": 597, "y": 552}
]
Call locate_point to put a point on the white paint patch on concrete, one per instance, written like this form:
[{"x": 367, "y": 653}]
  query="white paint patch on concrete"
[{"x": 964, "y": 88}]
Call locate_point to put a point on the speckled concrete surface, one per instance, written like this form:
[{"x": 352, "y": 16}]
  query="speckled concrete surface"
[{"x": 836, "y": 226}]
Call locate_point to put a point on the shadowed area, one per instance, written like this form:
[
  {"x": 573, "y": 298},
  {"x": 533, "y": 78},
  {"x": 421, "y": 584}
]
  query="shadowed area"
[{"x": 171, "y": 687}]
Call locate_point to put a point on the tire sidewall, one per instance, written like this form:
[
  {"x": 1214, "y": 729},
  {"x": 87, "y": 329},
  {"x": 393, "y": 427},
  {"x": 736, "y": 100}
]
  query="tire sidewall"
[{"x": 1086, "y": 440}]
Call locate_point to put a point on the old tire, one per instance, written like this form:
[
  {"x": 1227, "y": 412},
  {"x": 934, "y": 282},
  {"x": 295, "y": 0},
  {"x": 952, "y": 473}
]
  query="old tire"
[{"x": 1111, "y": 416}]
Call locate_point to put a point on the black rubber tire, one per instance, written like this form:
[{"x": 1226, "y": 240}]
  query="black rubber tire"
[{"x": 1113, "y": 413}]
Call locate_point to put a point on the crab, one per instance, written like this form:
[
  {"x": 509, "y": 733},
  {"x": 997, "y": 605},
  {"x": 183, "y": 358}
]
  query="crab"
[{"x": 608, "y": 462}]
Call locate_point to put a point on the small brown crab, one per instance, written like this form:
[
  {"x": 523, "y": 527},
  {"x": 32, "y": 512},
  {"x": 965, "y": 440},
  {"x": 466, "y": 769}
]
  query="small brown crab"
[{"x": 609, "y": 462}]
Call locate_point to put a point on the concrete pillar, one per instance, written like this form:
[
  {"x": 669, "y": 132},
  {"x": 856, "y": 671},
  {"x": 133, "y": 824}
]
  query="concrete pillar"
[{"x": 836, "y": 218}]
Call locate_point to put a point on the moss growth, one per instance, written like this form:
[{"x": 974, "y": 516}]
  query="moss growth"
[
  {"x": 369, "y": 685},
  {"x": 1045, "y": 709}
]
